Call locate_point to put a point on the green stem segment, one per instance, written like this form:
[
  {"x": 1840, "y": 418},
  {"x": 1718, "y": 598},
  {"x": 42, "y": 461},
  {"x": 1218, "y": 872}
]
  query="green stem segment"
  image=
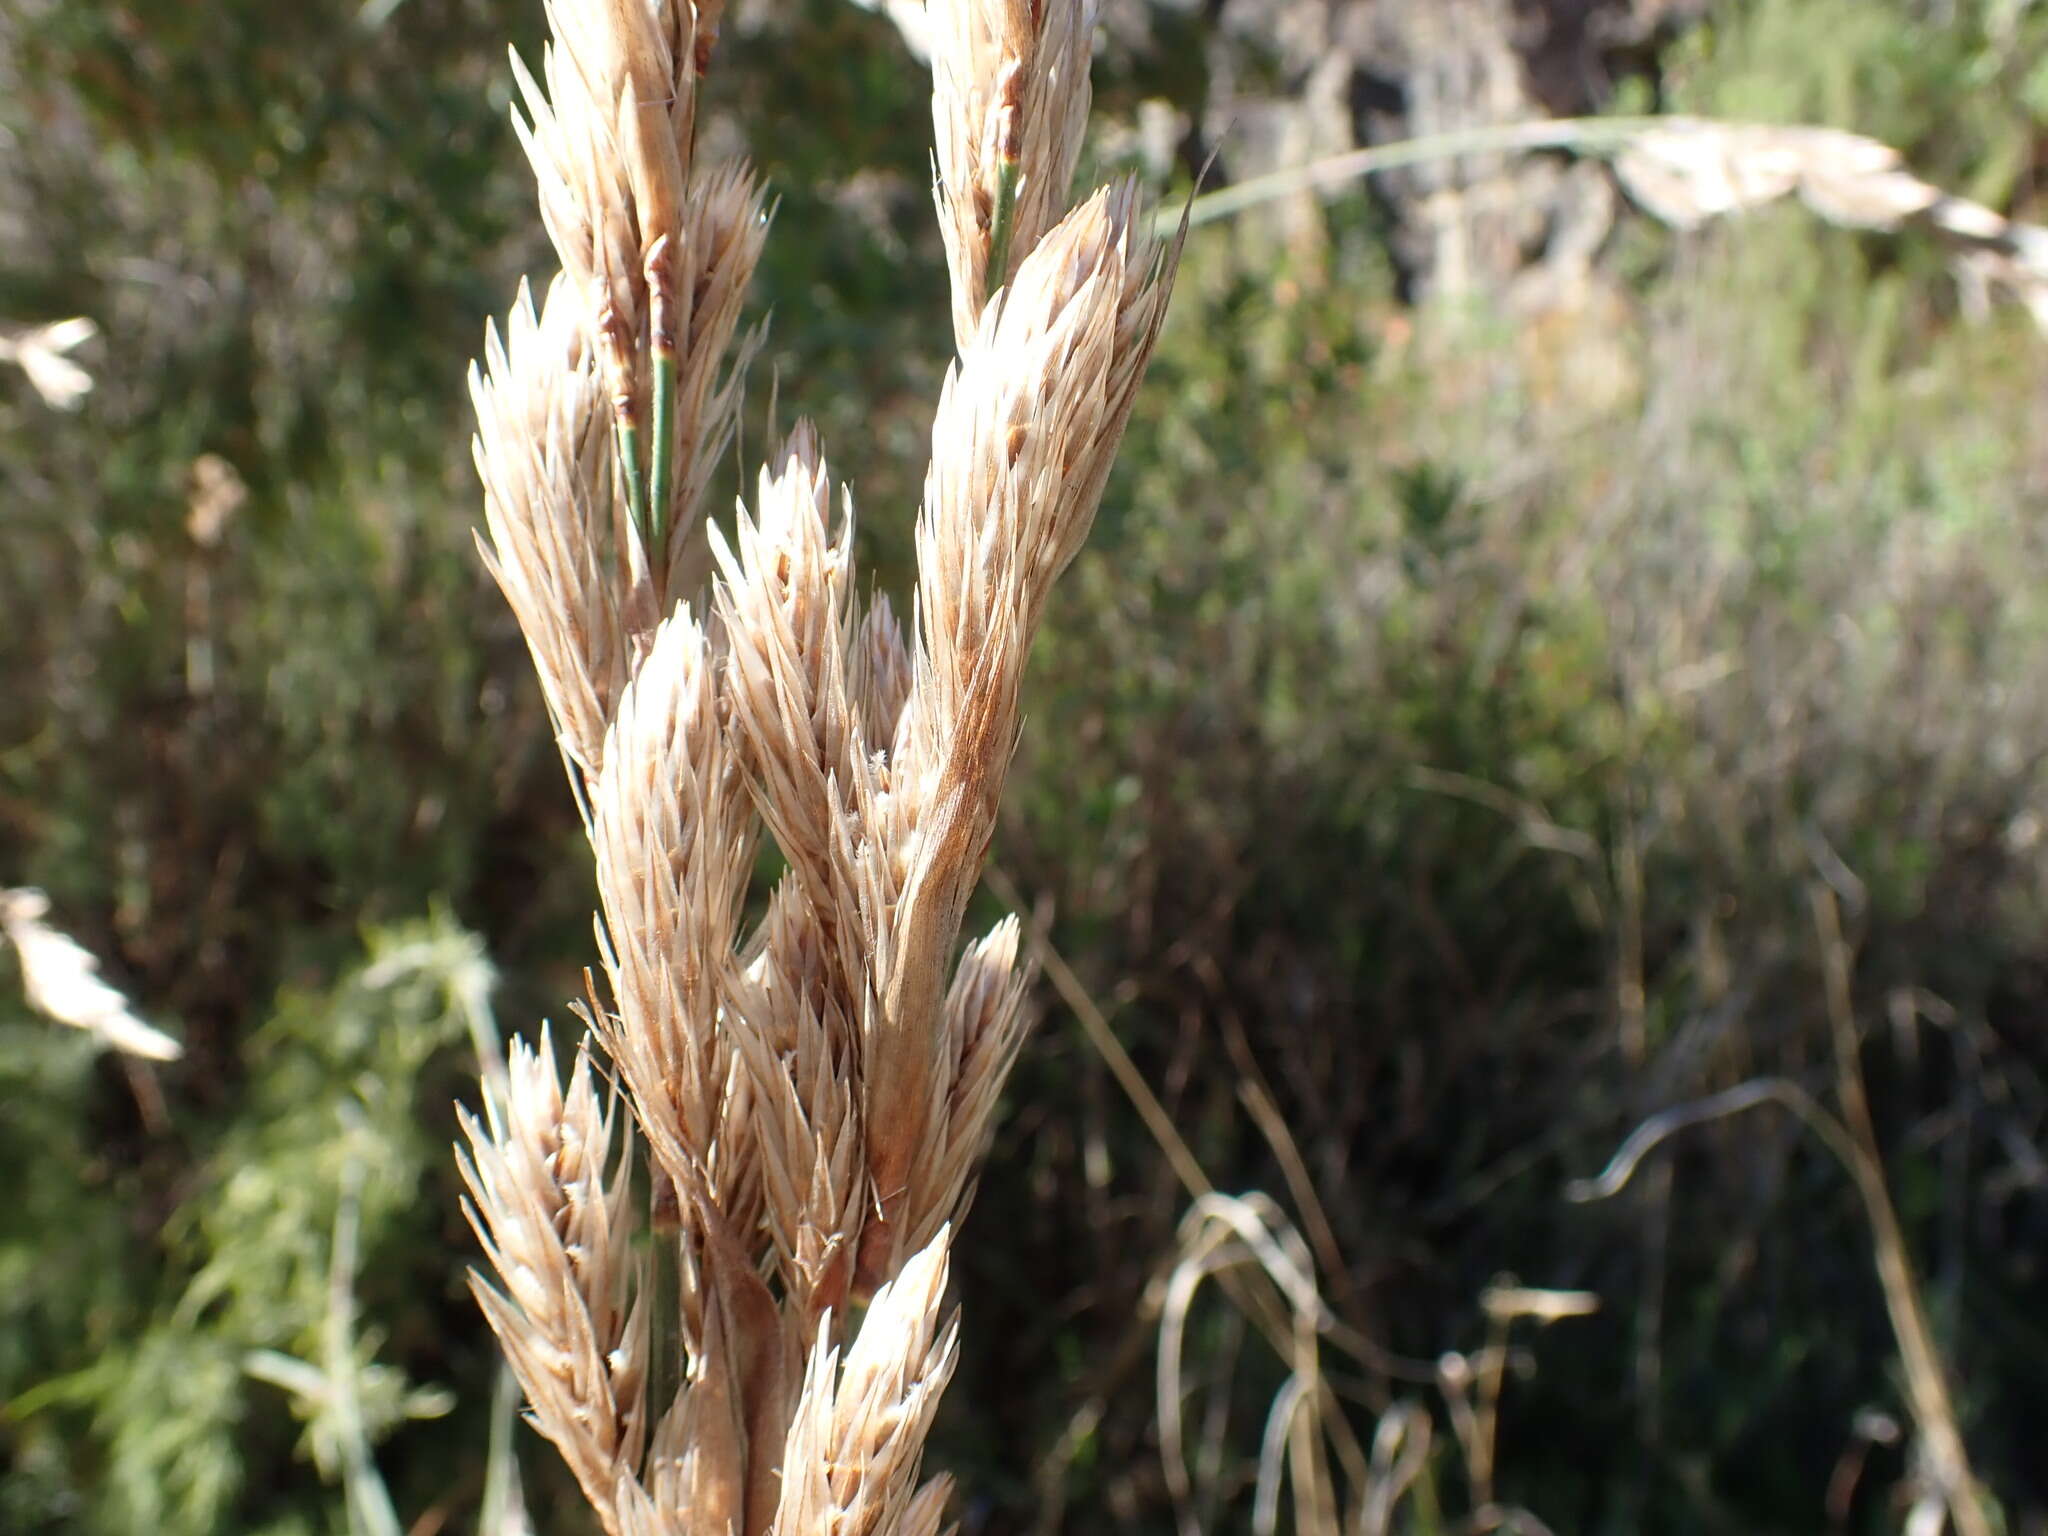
[
  {"x": 661, "y": 481},
  {"x": 616, "y": 345},
  {"x": 660, "y": 272},
  {"x": 1001, "y": 226},
  {"x": 636, "y": 481}
]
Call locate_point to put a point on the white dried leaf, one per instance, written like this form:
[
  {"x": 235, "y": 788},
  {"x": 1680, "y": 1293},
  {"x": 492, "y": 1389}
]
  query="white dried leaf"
[{"x": 62, "y": 982}]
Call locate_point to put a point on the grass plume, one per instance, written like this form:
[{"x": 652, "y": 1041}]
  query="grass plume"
[{"x": 814, "y": 1095}]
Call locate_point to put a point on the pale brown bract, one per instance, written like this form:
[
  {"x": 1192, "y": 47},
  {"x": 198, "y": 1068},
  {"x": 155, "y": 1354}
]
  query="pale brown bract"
[
  {"x": 1010, "y": 98},
  {"x": 553, "y": 1206},
  {"x": 545, "y": 461},
  {"x": 814, "y": 1096}
]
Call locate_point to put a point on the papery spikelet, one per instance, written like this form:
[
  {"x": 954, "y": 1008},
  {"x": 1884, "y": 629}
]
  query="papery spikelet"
[
  {"x": 657, "y": 252},
  {"x": 985, "y": 1020},
  {"x": 672, "y": 831},
  {"x": 543, "y": 452},
  {"x": 707, "y": 270},
  {"x": 798, "y": 1045},
  {"x": 850, "y": 1462},
  {"x": 927, "y": 1512},
  {"x": 784, "y": 600},
  {"x": 1010, "y": 97},
  {"x": 879, "y": 674},
  {"x": 609, "y": 129},
  {"x": 551, "y": 1202},
  {"x": 1027, "y": 427}
]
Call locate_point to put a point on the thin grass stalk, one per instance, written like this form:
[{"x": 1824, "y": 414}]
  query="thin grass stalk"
[
  {"x": 1686, "y": 171},
  {"x": 1851, "y": 1138}
]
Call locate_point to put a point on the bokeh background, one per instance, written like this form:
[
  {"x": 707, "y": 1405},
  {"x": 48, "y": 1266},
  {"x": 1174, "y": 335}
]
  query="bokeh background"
[{"x": 1516, "y": 632}]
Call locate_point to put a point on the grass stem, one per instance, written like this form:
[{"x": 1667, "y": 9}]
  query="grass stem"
[{"x": 1001, "y": 227}]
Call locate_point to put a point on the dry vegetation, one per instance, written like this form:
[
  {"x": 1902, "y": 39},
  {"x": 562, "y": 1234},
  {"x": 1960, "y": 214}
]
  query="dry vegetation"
[
  {"x": 815, "y": 1095},
  {"x": 1548, "y": 707}
]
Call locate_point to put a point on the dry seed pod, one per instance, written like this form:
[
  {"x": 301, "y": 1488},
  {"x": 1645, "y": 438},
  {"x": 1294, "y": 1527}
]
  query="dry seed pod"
[{"x": 850, "y": 1462}]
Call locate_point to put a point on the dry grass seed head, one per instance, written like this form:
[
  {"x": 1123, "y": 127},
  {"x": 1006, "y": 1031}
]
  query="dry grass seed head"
[
  {"x": 851, "y": 1458},
  {"x": 796, "y": 1042},
  {"x": 544, "y": 455},
  {"x": 823, "y": 1085},
  {"x": 725, "y": 227},
  {"x": 609, "y": 136},
  {"x": 639, "y": 230},
  {"x": 551, "y": 1201},
  {"x": 784, "y": 601},
  {"x": 986, "y": 1018},
  {"x": 1027, "y": 425},
  {"x": 880, "y": 674},
  {"x": 1010, "y": 96},
  {"x": 926, "y": 1515},
  {"x": 672, "y": 830}
]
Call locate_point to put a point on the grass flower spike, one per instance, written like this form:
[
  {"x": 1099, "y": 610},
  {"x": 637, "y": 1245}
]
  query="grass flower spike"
[{"x": 813, "y": 1096}]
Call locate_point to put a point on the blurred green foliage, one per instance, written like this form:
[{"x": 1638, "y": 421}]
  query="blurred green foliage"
[
  {"x": 139, "y": 1339},
  {"x": 1444, "y": 728}
]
